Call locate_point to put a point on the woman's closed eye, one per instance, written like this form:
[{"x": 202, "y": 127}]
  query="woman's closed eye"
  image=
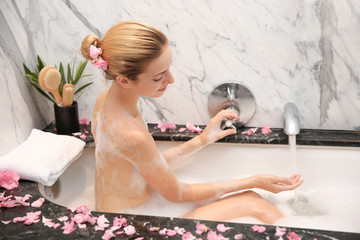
[{"x": 156, "y": 80}]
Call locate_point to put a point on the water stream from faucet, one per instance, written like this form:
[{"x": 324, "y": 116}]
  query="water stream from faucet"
[{"x": 292, "y": 144}]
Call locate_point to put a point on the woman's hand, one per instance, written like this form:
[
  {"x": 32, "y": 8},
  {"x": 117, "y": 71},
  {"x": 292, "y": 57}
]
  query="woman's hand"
[
  {"x": 213, "y": 132},
  {"x": 277, "y": 184}
]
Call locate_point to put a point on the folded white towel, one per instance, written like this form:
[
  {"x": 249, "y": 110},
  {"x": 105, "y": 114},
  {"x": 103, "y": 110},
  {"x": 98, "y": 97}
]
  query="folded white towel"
[{"x": 43, "y": 157}]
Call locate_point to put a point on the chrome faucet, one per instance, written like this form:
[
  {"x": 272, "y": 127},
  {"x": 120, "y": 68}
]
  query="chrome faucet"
[{"x": 291, "y": 119}]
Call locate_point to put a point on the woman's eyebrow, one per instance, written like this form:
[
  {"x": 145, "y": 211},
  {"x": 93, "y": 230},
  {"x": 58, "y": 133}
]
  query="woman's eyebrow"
[{"x": 160, "y": 73}]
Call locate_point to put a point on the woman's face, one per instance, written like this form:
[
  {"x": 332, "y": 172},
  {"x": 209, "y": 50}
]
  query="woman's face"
[{"x": 157, "y": 76}]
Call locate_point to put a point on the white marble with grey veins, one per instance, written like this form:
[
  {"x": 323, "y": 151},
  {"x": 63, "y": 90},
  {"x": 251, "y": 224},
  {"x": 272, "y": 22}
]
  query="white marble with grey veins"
[{"x": 304, "y": 51}]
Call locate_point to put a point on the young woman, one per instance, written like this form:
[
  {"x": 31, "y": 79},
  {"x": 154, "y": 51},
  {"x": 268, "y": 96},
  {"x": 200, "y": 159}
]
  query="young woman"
[{"x": 129, "y": 167}]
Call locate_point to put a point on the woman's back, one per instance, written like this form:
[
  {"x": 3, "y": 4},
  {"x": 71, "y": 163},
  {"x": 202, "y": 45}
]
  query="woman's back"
[{"x": 118, "y": 184}]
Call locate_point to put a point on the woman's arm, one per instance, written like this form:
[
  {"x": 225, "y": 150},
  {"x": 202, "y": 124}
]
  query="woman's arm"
[
  {"x": 211, "y": 134},
  {"x": 143, "y": 154}
]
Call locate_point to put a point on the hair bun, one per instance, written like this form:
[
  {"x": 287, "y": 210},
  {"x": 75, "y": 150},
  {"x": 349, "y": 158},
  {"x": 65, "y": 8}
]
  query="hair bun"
[{"x": 89, "y": 40}]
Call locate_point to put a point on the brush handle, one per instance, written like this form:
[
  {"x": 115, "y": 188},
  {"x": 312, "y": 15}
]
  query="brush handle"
[{"x": 57, "y": 96}]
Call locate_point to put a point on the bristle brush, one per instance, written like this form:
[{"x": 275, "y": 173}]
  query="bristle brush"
[
  {"x": 68, "y": 95},
  {"x": 49, "y": 80}
]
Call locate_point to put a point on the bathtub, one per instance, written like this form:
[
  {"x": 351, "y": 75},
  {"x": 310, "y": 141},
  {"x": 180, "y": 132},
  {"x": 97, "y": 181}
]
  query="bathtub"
[{"x": 329, "y": 199}]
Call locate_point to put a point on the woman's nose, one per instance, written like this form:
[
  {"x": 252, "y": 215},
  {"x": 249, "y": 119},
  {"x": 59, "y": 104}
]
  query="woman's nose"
[{"x": 171, "y": 79}]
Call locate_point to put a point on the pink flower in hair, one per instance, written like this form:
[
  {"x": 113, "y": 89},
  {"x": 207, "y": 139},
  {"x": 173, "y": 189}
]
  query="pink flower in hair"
[
  {"x": 95, "y": 52},
  {"x": 100, "y": 63}
]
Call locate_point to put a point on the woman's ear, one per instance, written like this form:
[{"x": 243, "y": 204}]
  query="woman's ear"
[{"x": 124, "y": 81}]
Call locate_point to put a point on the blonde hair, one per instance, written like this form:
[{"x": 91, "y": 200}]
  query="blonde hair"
[{"x": 128, "y": 47}]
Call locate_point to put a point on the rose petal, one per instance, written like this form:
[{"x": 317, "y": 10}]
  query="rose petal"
[
  {"x": 6, "y": 222},
  {"x": 181, "y": 129},
  {"x": 130, "y": 230},
  {"x": 163, "y": 231},
  {"x": 166, "y": 125},
  {"x": 193, "y": 129},
  {"x": 119, "y": 221},
  {"x": 222, "y": 228},
  {"x": 68, "y": 227},
  {"x": 211, "y": 235},
  {"x": 188, "y": 236},
  {"x": 201, "y": 228},
  {"x": 293, "y": 236},
  {"x": 63, "y": 218},
  {"x": 266, "y": 129},
  {"x": 102, "y": 223},
  {"x": 170, "y": 232},
  {"x": 239, "y": 236},
  {"x": 108, "y": 234},
  {"x": 154, "y": 229},
  {"x": 9, "y": 179},
  {"x": 280, "y": 231},
  {"x": 38, "y": 203}
]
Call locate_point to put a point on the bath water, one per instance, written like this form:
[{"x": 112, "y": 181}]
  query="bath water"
[{"x": 292, "y": 144}]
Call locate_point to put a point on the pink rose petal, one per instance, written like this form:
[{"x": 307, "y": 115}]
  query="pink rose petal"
[
  {"x": 139, "y": 238},
  {"x": 259, "y": 229},
  {"x": 119, "y": 221},
  {"x": 280, "y": 231},
  {"x": 22, "y": 200},
  {"x": 77, "y": 134},
  {"x": 170, "y": 232},
  {"x": 63, "y": 218},
  {"x": 163, "y": 231},
  {"x": 188, "y": 236},
  {"x": 154, "y": 229},
  {"x": 82, "y": 209},
  {"x": 193, "y": 129},
  {"x": 130, "y": 230},
  {"x": 9, "y": 179},
  {"x": 166, "y": 125},
  {"x": 181, "y": 130},
  {"x": 222, "y": 228},
  {"x": 249, "y": 132},
  {"x": 83, "y": 136},
  {"x": 239, "y": 236},
  {"x": 68, "y": 227},
  {"x": 30, "y": 218},
  {"x": 6, "y": 222},
  {"x": 38, "y": 203},
  {"x": 119, "y": 232},
  {"x": 180, "y": 231},
  {"x": 211, "y": 235},
  {"x": 108, "y": 235},
  {"x": 201, "y": 228},
  {"x": 102, "y": 223},
  {"x": 49, "y": 223},
  {"x": 266, "y": 129},
  {"x": 293, "y": 236}
]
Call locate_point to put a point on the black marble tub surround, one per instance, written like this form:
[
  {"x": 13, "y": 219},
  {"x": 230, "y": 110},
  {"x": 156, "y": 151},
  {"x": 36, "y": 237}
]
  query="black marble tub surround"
[
  {"x": 141, "y": 223},
  {"x": 315, "y": 137}
]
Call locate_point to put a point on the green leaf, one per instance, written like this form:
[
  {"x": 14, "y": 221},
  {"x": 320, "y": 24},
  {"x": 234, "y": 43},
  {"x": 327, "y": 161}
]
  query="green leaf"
[
  {"x": 62, "y": 73},
  {"x": 79, "y": 71},
  {"x": 83, "y": 87},
  {"x": 26, "y": 69},
  {"x": 41, "y": 63},
  {"x": 31, "y": 76},
  {"x": 69, "y": 76},
  {"x": 41, "y": 91}
]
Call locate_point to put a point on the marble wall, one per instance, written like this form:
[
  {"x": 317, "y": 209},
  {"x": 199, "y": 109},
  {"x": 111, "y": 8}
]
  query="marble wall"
[{"x": 304, "y": 51}]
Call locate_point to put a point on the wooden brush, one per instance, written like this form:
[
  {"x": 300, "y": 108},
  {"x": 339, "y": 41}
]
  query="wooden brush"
[
  {"x": 68, "y": 95},
  {"x": 49, "y": 80}
]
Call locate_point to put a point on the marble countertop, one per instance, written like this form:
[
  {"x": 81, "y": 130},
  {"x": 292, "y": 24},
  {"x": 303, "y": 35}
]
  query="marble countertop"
[{"x": 142, "y": 223}]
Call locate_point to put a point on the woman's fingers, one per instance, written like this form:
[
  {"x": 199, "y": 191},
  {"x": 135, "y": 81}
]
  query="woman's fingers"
[
  {"x": 224, "y": 114},
  {"x": 226, "y": 132}
]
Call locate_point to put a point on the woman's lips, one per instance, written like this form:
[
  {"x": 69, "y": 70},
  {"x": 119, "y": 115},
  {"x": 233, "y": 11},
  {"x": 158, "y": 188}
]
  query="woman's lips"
[{"x": 162, "y": 89}]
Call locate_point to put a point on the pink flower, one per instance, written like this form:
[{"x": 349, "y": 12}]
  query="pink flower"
[
  {"x": 180, "y": 231},
  {"x": 6, "y": 222},
  {"x": 9, "y": 179},
  {"x": 108, "y": 234},
  {"x": 249, "y": 132},
  {"x": 166, "y": 125},
  {"x": 130, "y": 230},
  {"x": 95, "y": 52},
  {"x": 163, "y": 231},
  {"x": 30, "y": 218},
  {"x": 171, "y": 232},
  {"x": 259, "y": 229},
  {"x": 38, "y": 203},
  {"x": 181, "y": 130},
  {"x": 193, "y": 129},
  {"x": 266, "y": 129},
  {"x": 100, "y": 63},
  {"x": 212, "y": 236},
  {"x": 62, "y": 219},
  {"x": 280, "y": 231},
  {"x": 102, "y": 223},
  {"x": 293, "y": 236},
  {"x": 239, "y": 236},
  {"x": 68, "y": 227},
  {"x": 22, "y": 200},
  {"x": 222, "y": 228},
  {"x": 201, "y": 228},
  {"x": 49, "y": 223},
  {"x": 154, "y": 229},
  {"x": 119, "y": 221},
  {"x": 188, "y": 236}
]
